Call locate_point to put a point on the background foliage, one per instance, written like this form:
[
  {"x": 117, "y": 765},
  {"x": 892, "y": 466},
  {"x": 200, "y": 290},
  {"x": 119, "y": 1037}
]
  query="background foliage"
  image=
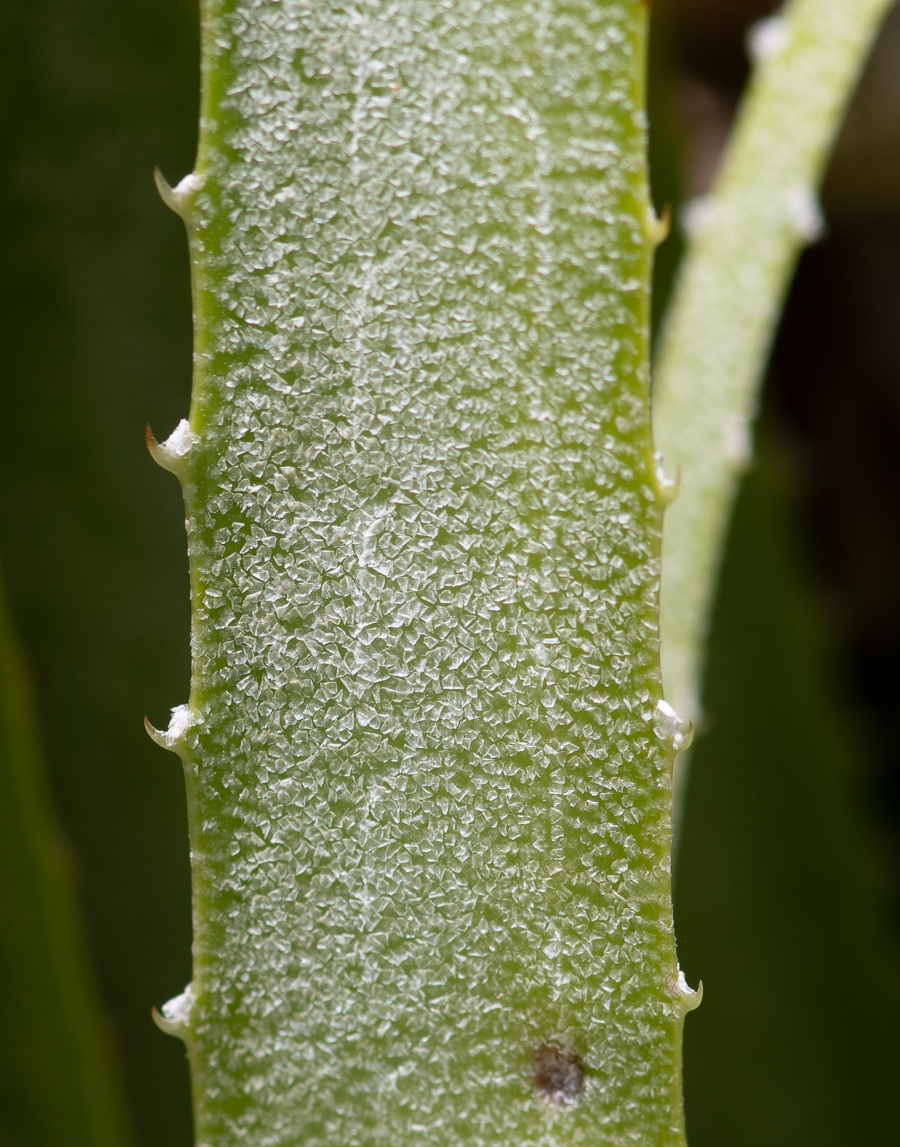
[{"x": 788, "y": 889}]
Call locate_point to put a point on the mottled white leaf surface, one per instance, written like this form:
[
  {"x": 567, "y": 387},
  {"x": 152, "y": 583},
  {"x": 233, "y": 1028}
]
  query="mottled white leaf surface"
[{"x": 429, "y": 783}]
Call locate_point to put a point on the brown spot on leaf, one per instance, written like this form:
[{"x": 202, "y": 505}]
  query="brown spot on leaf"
[{"x": 557, "y": 1074}]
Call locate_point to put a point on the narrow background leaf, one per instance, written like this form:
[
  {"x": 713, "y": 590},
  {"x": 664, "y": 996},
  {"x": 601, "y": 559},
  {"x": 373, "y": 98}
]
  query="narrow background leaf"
[{"x": 57, "y": 1081}]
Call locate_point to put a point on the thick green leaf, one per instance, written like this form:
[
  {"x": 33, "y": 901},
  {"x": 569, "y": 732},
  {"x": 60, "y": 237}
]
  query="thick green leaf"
[{"x": 429, "y": 767}]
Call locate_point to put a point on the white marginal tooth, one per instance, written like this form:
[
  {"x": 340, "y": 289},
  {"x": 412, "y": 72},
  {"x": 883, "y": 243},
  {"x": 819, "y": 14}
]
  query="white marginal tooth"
[
  {"x": 685, "y": 995},
  {"x": 182, "y": 719},
  {"x": 172, "y": 453},
  {"x": 684, "y": 740},
  {"x": 175, "y": 1018},
  {"x": 805, "y": 214},
  {"x": 157, "y": 735},
  {"x": 165, "y": 189},
  {"x": 680, "y": 732},
  {"x": 767, "y": 37},
  {"x": 156, "y": 451},
  {"x": 179, "y": 198},
  {"x": 165, "y": 1025}
]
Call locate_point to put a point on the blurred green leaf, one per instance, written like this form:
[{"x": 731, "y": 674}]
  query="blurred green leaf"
[
  {"x": 778, "y": 909},
  {"x": 57, "y": 1084}
]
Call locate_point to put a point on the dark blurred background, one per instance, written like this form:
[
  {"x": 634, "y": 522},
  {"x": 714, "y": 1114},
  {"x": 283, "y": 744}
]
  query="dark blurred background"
[{"x": 788, "y": 883}]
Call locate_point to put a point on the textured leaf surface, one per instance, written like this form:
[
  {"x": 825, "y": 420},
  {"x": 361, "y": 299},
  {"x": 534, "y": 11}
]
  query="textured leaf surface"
[{"x": 429, "y": 780}]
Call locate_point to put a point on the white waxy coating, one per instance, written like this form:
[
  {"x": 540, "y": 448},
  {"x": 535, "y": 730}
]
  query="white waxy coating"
[
  {"x": 178, "y": 1009},
  {"x": 181, "y": 439}
]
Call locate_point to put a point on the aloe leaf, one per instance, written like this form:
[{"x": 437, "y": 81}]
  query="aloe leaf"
[
  {"x": 58, "y": 1085},
  {"x": 746, "y": 238},
  {"x": 427, "y": 759}
]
